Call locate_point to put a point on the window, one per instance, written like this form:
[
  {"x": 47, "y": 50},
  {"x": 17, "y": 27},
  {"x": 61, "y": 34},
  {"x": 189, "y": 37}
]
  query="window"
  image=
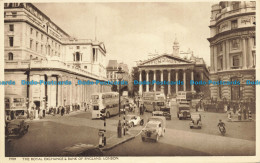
[
  {"x": 31, "y": 43},
  {"x": 10, "y": 56},
  {"x": 219, "y": 47},
  {"x": 254, "y": 40},
  {"x": 85, "y": 67},
  {"x": 77, "y": 56},
  {"x": 14, "y": 14},
  {"x": 78, "y": 47},
  {"x": 11, "y": 27},
  {"x": 236, "y": 61},
  {"x": 31, "y": 31},
  {"x": 36, "y": 46},
  {"x": 11, "y": 41},
  {"x": 41, "y": 49},
  {"x": 221, "y": 63},
  {"x": 41, "y": 36},
  {"x": 94, "y": 54},
  {"x": 4, "y": 14},
  {"x": 37, "y": 34},
  {"x": 235, "y": 5},
  {"x": 234, "y": 24},
  {"x": 235, "y": 44}
]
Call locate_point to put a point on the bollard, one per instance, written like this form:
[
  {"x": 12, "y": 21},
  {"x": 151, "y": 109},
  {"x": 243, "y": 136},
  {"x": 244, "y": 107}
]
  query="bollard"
[
  {"x": 119, "y": 129},
  {"x": 101, "y": 138}
]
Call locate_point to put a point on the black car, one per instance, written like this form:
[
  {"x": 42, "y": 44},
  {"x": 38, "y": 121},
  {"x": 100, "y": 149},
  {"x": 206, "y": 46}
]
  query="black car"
[
  {"x": 166, "y": 112},
  {"x": 16, "y": 127}
]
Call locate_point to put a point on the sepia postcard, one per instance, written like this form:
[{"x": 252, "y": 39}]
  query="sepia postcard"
[{"x": 129, "y": 81}]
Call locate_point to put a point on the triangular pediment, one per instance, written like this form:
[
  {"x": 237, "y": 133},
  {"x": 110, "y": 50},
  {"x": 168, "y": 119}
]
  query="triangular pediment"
[{"x": 165, "y": 60}]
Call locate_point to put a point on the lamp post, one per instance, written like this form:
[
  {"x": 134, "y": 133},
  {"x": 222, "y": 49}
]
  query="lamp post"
[{"x": 119, "y": 77}]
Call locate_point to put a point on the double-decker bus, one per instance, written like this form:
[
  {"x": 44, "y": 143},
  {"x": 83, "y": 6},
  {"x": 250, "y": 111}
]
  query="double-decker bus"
[
  {"x": 104, "y": 104},
  {"x": 184, "y": 97},
  {"x": 153, "y": 100},
  {"x": 15, "y": 105}
]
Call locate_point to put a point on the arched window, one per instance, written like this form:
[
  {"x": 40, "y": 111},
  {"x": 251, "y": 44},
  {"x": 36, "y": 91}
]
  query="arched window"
[{"x": 10, "y": 56}]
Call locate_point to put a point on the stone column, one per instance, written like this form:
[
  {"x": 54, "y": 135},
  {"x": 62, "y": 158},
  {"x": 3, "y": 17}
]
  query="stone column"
[
  {"x": 244, "y": 52},
  {"x": 224, "y": 55},
  {"x": 212, "y": 58},
  {"x": 169, "y": 80},
  {"x": 147, "y": 79},
  {"x": 140, "y": 86},
  {"x": 161, "y": 79},
  {"x": 49, "y": 91},
  {"x": 61, "y": 92},
  {"x": 192, "y": 78},
  {"x": 184, "y": 80},
  {"x": 215, "y": 58},
  {"x": 177, "y": 78},
  {"x": 250, "y": 43},
  {"x": 154, "y": 78},
  {"x": 227, "y": 55}
]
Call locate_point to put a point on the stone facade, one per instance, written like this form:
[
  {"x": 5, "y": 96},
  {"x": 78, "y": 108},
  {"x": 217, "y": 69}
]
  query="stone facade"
[
  {"x": 172, "y": 67},
  {"x": 37, "y": 49},
  {"x": 232, "y": 49}
]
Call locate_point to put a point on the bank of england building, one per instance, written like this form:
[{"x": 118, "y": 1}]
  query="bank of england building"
[{"x": 35, "y": 49}]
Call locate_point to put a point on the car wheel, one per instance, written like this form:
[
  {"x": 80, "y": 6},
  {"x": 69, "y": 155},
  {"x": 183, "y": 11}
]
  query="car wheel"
[
  {"x": 131, "y": 124},
  {"x": 143, "y": 138},
  {"x": 108, "y": 115},
  {"x": 142, "y": 122}
]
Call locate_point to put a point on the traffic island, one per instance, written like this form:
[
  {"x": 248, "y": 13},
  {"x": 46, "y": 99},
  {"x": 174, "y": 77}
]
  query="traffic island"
[{"x": 115, "y": 141}]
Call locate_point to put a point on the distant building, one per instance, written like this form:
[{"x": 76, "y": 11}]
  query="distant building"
[
  {"x": 112, "y": 69},
  {"x": 178, "y": 66},
  {"x": 232, "y": 49},
  {"x": 37, "y": 49}
]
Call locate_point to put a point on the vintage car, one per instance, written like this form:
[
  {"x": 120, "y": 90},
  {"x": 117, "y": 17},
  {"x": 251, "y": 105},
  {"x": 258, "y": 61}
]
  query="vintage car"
[
  {"x": 183, "y": 111},
  {"x": 195, "y": 121},
  {"x": 157, "y": 113},
  {"x": 153, "y": 130},
  {"x": 166, "y": 112},
  {"x": 134, "y": 120},
  {"x": 16, "y": 127}
]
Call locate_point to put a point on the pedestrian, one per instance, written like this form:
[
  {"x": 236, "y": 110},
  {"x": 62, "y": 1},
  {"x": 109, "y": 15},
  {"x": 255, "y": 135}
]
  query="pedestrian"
[
  {"x": 54, "y": 111},
  {"x": 62, "y": 110},
  {"x": 140, "y": 109},
  {"x": 244, "y": 112}
]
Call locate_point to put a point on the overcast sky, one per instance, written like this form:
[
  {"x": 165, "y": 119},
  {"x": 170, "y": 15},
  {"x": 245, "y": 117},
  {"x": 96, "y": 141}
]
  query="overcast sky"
[{"x": 131, "y": 31}]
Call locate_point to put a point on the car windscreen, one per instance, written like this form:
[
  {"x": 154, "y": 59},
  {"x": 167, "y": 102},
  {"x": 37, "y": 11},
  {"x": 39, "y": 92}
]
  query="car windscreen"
[
  {"x": 160, "y": 103},
  {"x": 183, "y": 108},
  {"x": 95, "y": 108}
]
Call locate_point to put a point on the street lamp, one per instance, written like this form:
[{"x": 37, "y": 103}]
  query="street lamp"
[{"x": 119, "y": 77}]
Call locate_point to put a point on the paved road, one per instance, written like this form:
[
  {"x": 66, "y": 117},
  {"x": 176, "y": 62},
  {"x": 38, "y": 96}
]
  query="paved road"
[
  {"x": 47, "y": 137},
  {"x": 186, "y": 143}
]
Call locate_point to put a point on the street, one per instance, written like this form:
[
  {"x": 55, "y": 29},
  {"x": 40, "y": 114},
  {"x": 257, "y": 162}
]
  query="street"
[{"x": 49, "y": 136}]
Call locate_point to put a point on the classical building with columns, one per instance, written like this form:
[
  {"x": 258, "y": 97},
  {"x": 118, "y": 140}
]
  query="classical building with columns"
[
  {"x": 38, "y": 49},
  {"x": 232, "y": 49},
  {"x": 172, "y": 67}
]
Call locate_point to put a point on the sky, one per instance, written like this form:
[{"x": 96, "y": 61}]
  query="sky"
[{"x": 133, "y": 31}]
